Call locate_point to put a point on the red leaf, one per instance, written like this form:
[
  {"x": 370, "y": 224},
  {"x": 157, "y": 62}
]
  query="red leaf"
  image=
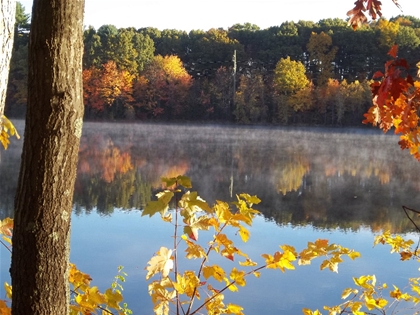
[
  {"x": 377, "y": 74},
  {"x": 393, "y": 51}
]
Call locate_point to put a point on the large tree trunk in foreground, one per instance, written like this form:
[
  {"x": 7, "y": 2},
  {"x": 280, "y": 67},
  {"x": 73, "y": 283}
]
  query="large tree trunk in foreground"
[
  {"x": 43, "y": 202},
  {"x": 7, "y": 24}
]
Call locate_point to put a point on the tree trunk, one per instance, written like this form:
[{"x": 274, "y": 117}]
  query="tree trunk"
[
  {"x": 7, "y": 23},
  {"x": 43, "y": 202}
]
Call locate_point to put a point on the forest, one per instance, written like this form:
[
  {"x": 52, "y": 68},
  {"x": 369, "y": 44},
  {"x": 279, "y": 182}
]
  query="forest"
[{"x": 299, "y": 72}]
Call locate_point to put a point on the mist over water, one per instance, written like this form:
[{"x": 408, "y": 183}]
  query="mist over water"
[{"x": 341, "y": 184}]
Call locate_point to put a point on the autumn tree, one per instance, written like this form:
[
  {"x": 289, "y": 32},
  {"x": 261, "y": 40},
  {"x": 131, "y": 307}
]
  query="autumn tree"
[
  {"x": 321, "y": 55},
  {"x": 387, "y": 33},
  {"x": 289, "y": 79},
  {"x": 162, "y": 88},
  {"x": 43, "y": 202},
  {"x": 107, "y": 91}
]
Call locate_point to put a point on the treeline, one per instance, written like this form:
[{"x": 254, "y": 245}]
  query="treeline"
[{"x": 304, "y": 72}]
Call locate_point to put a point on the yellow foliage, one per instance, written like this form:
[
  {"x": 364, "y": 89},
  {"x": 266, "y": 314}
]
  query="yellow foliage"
[
  {"x": 161, "y": 263},
  {"x": 6, "y": 130}
]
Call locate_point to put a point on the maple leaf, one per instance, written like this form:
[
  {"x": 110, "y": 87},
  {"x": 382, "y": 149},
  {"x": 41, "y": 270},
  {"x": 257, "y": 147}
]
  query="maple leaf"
[
  {"x": 307, "y": 311},
  {"x": 243, "y": 233},
  {"x": 214, "y": 271},
  {"x": 6, "y": 226},
  {"x": 193, "y": 250},
  {"x": 233, "y": 309},
  {"x": 194, "y": 225},
  {"x": 375, "y": 303},
  {"x": 113, "y": 298},
  {"x": 161, "y": 205},
  {"x": 8, "y": 289},
  {"x": 393, "y": 51},
  {"x": 191, "y": 203},
  {"x": 162, "y": 262},
  {"x": 238, "y": 277}
]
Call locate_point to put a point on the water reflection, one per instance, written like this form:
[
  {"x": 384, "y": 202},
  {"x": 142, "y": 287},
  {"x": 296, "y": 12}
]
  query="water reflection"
[
  {"x": 326, "y": 178},
  {"x": 315, "y": 183}
]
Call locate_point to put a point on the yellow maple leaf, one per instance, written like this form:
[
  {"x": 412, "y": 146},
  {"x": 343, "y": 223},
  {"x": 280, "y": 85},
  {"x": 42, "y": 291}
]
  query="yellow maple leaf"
[
  {"x": 307, "y": 311},
  {"x": 162, "y": 262},
  {"x": 233, "y": 309},
  {"x": 243, "y": 233},
  {"x": 347, "y": 292},
  {"x": 214, "y": 271},
  {"x": 375, "y": 303},
  {"x": 113, "y": 298},
  {"x": 193, "y": 250},
  {"x": 8, "y": 289},
  {"x": 238, "y": 277}
]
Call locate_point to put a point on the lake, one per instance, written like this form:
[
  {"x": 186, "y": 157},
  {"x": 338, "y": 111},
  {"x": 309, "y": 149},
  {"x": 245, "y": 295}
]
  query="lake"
[{"x": 346, "y": 185}]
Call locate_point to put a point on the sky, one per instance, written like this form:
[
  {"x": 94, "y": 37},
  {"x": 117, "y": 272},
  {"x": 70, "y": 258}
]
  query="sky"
[{"x": 204, "y": 14}]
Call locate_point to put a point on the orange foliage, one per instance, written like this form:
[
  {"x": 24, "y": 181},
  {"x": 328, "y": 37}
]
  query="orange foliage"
[
  {"x": 107, "y": 160},
  {"x": 114, "y": 162},
  {"x": 396, "y": 102},
  {"x": 163, "y": 86},
  {"x": 103, "y": 86}
]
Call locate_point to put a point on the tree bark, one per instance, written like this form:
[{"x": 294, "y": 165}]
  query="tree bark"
[
  {"x": 43, "y": 202},
  {"x": 7, "y": 22}
]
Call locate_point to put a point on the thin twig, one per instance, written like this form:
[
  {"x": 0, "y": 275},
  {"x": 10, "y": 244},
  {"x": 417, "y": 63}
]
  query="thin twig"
[
  {"x": 190, "y": 304},
  {"x": 226, "y": 287},
  {"x": 418, "y": 229},
  {"x": 5, "y": 245}
]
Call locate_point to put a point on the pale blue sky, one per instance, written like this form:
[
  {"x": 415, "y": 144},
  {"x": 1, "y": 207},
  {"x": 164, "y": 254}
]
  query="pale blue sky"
[{"x": 205, "y": 14}]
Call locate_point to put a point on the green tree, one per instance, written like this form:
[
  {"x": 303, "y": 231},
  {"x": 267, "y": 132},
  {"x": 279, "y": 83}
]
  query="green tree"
[
  {"x": 92, "y": 48},
  {"x": 22, "y": 18},
  {"x": 248, "y": 35},
  {"x": 210, "y": 50},
  {"x": 41, "y": 238}
]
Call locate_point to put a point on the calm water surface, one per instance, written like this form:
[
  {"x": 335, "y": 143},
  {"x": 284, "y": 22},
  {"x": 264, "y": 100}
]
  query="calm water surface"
[{"x": 342, "y": 184}]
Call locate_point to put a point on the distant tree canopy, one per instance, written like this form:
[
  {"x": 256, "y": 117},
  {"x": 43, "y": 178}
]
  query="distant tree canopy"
[{"x": 331, "y": 54}]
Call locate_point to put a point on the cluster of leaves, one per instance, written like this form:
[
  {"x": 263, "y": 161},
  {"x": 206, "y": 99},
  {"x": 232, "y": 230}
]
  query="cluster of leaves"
[
  {"x": 86, "y": 299},
  {"x": 357, "y": 15},
  {"x": 6, "y": 130},
  {"x": 369, "y": 296},
  {"x": 396, "y": 102},
  {"x": 180, "y": 290}
]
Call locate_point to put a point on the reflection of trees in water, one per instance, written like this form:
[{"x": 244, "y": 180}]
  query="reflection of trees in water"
[
  {"x": 328, "y": 179},
  {"x": 291, "y": 173}
]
